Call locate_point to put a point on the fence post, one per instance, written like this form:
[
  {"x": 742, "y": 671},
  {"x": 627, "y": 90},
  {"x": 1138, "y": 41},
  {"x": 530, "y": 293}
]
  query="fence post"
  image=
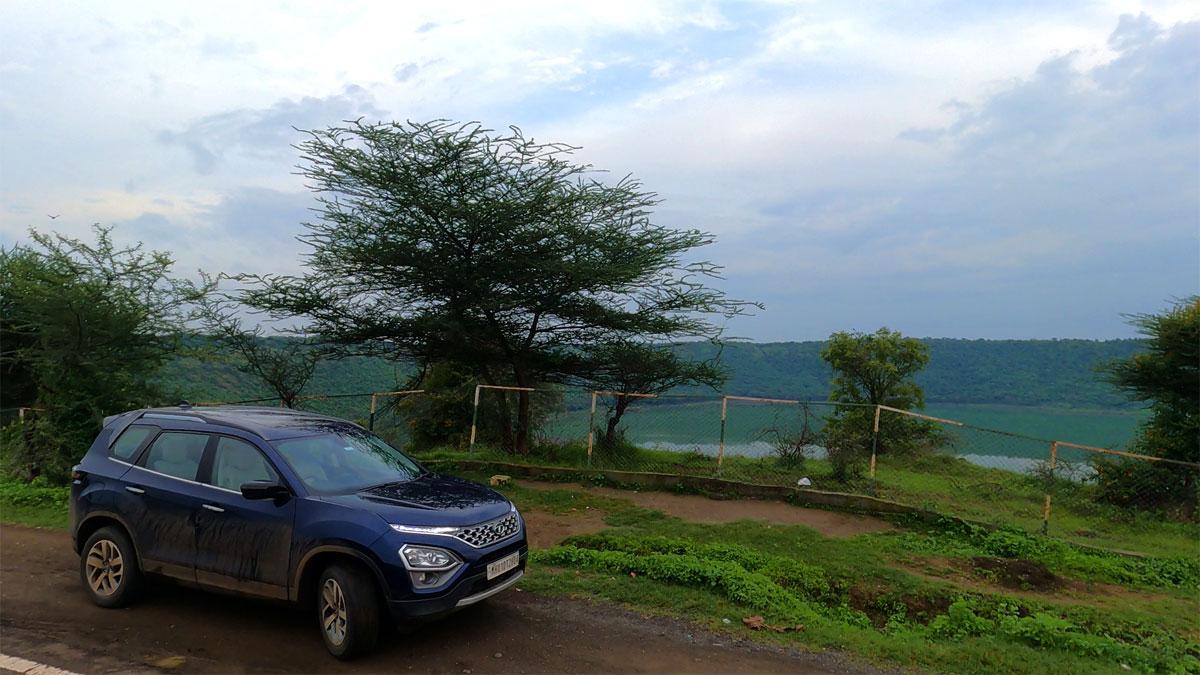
[
  {"x": 371, "y": 417},
  {"x": 1046, "y": 508},
  {"x": 591, "y": 430},
  {"x": 875, "y": 441},
  {"x": 474, "y": 419},
  {"x": 721, "y": 448}
]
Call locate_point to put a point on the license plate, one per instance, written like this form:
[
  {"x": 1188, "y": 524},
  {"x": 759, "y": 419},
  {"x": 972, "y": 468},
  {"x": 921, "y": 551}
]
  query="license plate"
[{"x": 508, "y": 562}]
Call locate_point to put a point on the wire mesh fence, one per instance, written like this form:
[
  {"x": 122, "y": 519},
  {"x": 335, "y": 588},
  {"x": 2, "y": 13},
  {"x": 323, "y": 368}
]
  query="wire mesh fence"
[{"x": 1098, "y": 496}]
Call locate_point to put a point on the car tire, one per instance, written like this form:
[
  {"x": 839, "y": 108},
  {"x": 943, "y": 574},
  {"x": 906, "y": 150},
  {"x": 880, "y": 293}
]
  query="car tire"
[
  {"x": 108, "y": 567},
  {"x": 348, "y": 612}
]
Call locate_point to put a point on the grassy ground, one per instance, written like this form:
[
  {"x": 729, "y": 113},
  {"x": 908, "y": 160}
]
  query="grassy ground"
[
  {"x": 35, "y": 505},
  {"x": 945, "y": 597},
  {"x": 941, "y": 483}
]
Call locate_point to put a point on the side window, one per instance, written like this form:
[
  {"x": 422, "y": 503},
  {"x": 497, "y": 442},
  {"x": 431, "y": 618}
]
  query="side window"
[
  {"x": 238, "y": 462},
  {"x": 176, "y": 454},
  {"x": 130, "y": 440}
]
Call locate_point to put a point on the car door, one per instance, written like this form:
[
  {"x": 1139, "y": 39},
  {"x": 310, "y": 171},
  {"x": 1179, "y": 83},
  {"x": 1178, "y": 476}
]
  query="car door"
[
  {"x": 242, "y": 544},
  {"x": 163, "y": 496}
]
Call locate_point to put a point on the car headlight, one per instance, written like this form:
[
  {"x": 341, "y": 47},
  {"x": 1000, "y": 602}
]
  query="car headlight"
[
  {"x": 427, "y": 557},
  {"x": 429, "y": 566}
]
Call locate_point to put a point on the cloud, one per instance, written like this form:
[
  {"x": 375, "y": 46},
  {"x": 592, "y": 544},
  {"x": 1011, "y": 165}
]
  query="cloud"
[
  {"x": 267, "y": 132},
  {"x": 405, "y": 72},
  {"x": 245, "y": 230}
]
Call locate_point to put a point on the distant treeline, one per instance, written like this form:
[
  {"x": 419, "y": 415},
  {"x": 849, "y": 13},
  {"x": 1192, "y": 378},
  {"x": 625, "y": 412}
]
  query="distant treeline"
[{"x": 1017, "y": 372}]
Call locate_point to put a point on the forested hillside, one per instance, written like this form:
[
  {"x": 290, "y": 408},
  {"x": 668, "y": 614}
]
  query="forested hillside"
[{"x": 1017, "y": 372}]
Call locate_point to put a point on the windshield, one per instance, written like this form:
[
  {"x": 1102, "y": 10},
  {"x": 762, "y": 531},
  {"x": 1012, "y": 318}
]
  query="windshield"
[{"x": 344, "y": 461}]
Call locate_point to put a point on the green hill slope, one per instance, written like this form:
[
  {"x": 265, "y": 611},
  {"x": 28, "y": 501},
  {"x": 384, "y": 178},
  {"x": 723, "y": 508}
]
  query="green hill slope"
[{"x": 1014, "y": 372}]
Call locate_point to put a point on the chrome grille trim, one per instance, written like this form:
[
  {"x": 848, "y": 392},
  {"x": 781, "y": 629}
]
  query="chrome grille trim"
[
  {"x": 480, "y": 535},
  {"x": 491, "y": 532}
]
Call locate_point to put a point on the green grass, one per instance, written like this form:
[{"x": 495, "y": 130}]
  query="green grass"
[
  {"x": 858, "y": 595},
  {"x": 34, "y": 504},
  {"x": 941, "y": 483}
]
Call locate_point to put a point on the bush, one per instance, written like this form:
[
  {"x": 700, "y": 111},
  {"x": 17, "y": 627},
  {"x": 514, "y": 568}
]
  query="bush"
[
  {"x": 1148, "y": 485},
  {"x": 617, "y": 451}
]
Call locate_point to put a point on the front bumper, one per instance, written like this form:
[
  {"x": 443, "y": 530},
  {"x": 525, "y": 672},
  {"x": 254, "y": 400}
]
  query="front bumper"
[{"x": 466, "y": 591}]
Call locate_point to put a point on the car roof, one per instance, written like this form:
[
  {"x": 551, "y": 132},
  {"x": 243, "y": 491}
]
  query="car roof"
[{"x": 268, "y": 423}]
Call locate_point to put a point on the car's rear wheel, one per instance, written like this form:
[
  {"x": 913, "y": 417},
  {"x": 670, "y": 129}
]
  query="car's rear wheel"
[
  {"x": 348, "y": 610},
  {"x": 109, "y": 568}
]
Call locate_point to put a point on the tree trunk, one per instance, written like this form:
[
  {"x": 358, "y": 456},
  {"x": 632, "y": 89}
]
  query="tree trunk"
[
  {"x": 610, "y": 433},
  {"x": 523, "y": 422},
  {"x": 505, "y": 415},
  {"x": 524, "y": 415}
]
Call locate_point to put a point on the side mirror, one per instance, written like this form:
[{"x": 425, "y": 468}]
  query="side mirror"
[{"x": 265, "y": 489}]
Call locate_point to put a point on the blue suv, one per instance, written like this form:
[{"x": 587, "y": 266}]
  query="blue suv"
[{"x": 290, "y": 506}]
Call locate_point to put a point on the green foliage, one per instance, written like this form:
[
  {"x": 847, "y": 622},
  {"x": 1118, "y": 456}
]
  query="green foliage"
[
  {"x": 628, "y": 367},
  {"x": 876, "y": 368},
  {"x": 442, "y": 415},
  {"x": 809, "y": 581},
  {"x": 1165, "y": 376},
  {"x": 88, "y": 325},
  {"x": 786, "y": 590},
  {"x": 749, "y": 589},
  {"x": 960, "y": 621},
  {"x": 284, "y": 366},
  {"x": 37, "y": 503},
  {"x": 450, "y": 242},
  {"x": 1063, "y": 558}
]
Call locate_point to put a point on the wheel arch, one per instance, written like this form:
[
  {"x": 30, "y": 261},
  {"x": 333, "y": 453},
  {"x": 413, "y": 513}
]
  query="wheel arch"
[
  {"x": 100, "y": 519},
  {"x": 320, "y": 557}
]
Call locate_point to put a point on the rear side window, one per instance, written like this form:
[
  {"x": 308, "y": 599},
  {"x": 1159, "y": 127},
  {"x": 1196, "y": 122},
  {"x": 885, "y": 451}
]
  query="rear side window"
[
  {"x": 238, "y": 462},
  {"x": 129, "y": 442},
  {"x": 176, "y": 454}
]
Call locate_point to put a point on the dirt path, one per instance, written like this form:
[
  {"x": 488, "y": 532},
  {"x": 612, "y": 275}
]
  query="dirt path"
[
  {"x": 45, "y": 617},
  {"x": 704, "y": 510}
]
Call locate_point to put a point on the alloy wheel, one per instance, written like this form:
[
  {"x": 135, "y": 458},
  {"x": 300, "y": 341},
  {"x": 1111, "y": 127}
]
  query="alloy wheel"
[
  {"x": 333, "y": 612},
  {"x": 105, "y": 568}
]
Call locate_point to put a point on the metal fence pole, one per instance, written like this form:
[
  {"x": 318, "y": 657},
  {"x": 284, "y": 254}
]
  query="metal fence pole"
[
  {"x": 371, "y": 417},
  {"x": 1046, "y": 508},
  {"x": 591, "y": 430},
  {"x": 721, "y": 448},
  {"x": 474, "y": 419}
]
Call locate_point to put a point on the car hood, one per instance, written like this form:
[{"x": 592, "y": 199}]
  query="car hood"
[{"x": 431, "y": 499}]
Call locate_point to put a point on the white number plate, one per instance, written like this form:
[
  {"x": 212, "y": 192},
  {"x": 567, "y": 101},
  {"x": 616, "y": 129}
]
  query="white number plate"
[{"x": 508, "y": 562}]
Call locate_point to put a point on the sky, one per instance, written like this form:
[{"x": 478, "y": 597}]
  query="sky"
[{"x": 948, "y": 169}]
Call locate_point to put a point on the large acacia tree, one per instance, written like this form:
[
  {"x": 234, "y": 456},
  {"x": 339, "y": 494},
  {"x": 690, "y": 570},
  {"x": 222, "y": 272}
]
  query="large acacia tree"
[{"x": 448, "y": 242}]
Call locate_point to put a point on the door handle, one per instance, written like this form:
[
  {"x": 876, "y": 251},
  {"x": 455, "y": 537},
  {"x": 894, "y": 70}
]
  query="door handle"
[
  {"x": 135, "y": 490},
  {"x": 215, "y": 509}
]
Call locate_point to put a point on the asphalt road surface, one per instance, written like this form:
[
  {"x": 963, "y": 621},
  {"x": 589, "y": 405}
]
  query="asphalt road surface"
[{"x": 46, "y": 618}]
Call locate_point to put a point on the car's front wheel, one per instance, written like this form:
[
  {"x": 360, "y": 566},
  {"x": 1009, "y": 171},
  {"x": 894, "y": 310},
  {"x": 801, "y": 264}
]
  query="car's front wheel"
[
  {"x": 109, "y": 568},
  {"x": 348, "y": 610}
]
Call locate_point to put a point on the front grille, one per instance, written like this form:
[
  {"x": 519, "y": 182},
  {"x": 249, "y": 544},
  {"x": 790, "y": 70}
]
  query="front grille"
[{"x": 486, "y": 534}]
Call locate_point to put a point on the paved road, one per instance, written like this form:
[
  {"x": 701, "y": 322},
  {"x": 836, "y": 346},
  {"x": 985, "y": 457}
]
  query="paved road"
[{"x": 45, "y": 617}]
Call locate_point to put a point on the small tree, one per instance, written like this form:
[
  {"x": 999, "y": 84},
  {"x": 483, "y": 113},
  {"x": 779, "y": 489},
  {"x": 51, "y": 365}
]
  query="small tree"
[
  {"x": 284, "y": 364},
  {"x": 1167, "y": 377},
  {"x": 639, "y": 368},
  {"x": 442, "y": 242},
  {"x": 873, "y": 369},
  {"x": 87, "y": 325}
]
